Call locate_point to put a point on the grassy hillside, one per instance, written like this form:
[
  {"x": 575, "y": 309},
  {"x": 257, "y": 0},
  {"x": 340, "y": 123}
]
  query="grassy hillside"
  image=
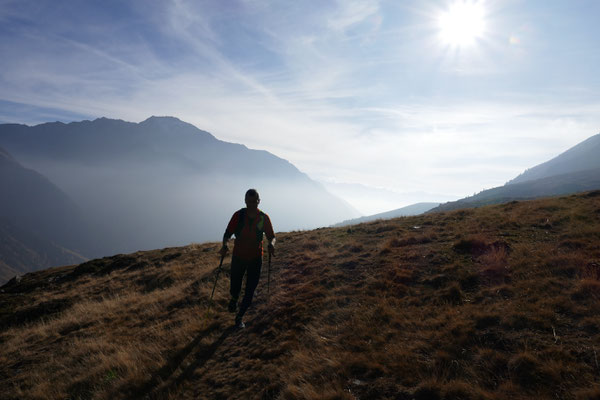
[
  {"x": 413, "y": 209},
  {"x": 498, "y": 302},
  {"x": 556, "y": 185}
]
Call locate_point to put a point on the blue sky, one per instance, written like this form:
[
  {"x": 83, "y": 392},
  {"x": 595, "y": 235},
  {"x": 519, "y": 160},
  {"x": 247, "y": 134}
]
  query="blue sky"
[{"x": 361, "y": 92}]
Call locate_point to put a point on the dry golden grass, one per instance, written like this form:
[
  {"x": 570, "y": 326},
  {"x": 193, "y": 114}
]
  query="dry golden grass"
[{"x": 493, "y": 303}]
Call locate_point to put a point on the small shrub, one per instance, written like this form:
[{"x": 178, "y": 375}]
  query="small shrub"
[
  {"x": 384, "y": 251},
  {"x": 400, "y": 276},
  {"x": 491, "y": 366},
  {"x": 384, "y": 228},
  {"x": 591, "y": 271},
  {"x": 472, "y": 245},
  {"x": 571, "y": 244},
  {"x": 591, "y": 325},
  {"x": 522, "y": 321},
  {"x": 428, "y": 391},
  {"x": 566, "y": 265},
  {"x": 494, "y": 265},
  {"x": 356, "y": 248},
  {"x": 154, "y": 282},
  {"x": 587, "y": 288},
  {"x": 468, "y": 280},
  {"x": 364, "y": 369},
  {"x": 529, "y": 372},
  {"x": 310, "y": 245},
  {"x": 394, "y": 242},
  {"x": 484, "y": 321},
  {"x": 436, "y": 281},
  {"x": 453, "y": 295}
]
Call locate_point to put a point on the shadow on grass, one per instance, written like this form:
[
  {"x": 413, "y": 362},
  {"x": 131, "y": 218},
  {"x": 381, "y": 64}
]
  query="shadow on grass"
[{"x": 164, "y": 382}]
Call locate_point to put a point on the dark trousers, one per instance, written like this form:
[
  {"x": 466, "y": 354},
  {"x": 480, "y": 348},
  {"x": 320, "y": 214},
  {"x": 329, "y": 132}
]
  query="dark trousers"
[{"x": 252, "y": 270}]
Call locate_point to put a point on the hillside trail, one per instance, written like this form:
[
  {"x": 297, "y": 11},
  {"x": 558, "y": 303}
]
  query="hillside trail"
[
  {"x": 196, "y": 371},
  {"x": 315, "y": 293}
]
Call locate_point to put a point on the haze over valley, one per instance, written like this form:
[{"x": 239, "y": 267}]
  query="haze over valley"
[
  {"x": 110, "y": 186},
  {"x": 160, "y": 183}
]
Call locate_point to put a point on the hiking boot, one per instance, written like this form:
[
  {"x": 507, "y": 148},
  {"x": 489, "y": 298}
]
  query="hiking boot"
[
  {"x": 239, "y": 323},
  {"x": 232, "y": 305}
]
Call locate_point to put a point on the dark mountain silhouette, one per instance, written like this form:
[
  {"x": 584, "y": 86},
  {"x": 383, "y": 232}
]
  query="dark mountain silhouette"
[
  {"x": 558, "y": 176},
  {"x": 584, "y": 156},
  {"x": 164, "y": 182},
  {"x": 23, "y": 251},
  {"x": 550, "y": 186},
  {"x": 35, "y": 204},
  {"x": 413, "y": 209},
  {"x": 37, "y": 220}
]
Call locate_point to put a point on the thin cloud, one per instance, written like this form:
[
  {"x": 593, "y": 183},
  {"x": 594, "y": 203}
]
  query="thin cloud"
[
  {"x": 350, "y": 13},
  {"x": 336, "y": 89}
]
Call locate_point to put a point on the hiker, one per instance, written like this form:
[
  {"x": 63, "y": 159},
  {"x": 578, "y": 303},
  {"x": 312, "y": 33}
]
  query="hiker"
[{"x": 249, "y": 224}]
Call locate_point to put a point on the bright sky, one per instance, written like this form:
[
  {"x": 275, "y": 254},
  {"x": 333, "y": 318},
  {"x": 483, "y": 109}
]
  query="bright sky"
[{"x": 445, "y": 97}]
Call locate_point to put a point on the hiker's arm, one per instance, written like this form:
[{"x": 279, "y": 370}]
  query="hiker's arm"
[
  {"x": 226, "y": 238},
  {"x": 224, "y": 248},
  {"x": 228, "y": 233}
]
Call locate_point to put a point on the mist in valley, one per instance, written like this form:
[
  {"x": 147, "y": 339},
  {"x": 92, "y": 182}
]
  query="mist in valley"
[{"x": 163, "y": 183}]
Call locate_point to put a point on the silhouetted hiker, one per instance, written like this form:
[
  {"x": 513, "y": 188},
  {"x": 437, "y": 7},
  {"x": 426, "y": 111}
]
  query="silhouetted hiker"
[{"x": 249, "y": 224}]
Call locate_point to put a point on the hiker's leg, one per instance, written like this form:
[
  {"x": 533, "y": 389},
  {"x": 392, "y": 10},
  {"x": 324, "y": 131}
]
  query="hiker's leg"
[
  {"x": 237, "y": 275},
  {"x": 252, "y": 279}
]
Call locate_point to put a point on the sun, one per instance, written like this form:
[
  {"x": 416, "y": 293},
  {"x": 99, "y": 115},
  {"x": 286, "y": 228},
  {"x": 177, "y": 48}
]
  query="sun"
[{"x": 462, "y": 23}]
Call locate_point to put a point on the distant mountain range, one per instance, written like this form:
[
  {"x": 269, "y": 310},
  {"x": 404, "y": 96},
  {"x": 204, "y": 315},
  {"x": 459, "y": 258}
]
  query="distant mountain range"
[
  {"x": 372, "y": 200},
  {"x": 413, "y": 209},
  {"x": 94, "y": 188},
  {"x": 108, "y": 186},
  {"x": 575, "y": 170}
]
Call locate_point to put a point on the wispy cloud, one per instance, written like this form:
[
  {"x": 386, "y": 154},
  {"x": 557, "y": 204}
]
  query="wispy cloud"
[
  {"x": 348, "y": 91},
  {"x": 352, "y": 12}
]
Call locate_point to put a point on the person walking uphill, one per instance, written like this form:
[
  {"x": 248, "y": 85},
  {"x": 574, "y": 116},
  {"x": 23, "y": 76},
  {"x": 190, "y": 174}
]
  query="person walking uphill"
[{"x": 249, "y": 225}]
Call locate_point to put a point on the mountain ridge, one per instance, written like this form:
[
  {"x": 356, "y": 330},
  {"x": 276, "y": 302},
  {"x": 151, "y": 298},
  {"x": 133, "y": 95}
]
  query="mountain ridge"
[
  {"x": 569, "y": 172},
  {"x": 556, "y": 185},
  {"x": 23, "y": 251},
  {"x": 582, "y": 156},
  {"x": 39, "y": 221},
  {"x": 163, "y": 182}
]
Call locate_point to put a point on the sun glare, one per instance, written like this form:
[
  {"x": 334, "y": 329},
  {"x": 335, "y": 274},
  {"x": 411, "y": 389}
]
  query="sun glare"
[{"x": 462, "y": 23}]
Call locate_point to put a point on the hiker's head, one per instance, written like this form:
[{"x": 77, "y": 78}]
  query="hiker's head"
[{"x": 252, "y": 199}]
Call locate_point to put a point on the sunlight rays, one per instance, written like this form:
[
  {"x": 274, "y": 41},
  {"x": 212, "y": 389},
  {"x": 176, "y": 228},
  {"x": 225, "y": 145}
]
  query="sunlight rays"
[{"x": 462, "y": 24}]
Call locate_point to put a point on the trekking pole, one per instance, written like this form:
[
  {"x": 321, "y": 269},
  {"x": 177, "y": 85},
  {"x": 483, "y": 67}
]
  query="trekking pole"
[
  {"x": 215, "y": 285},
  {"x": 269, "y": 278}
]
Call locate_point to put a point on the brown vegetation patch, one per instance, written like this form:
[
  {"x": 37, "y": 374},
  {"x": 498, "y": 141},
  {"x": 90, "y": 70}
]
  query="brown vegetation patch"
[{"x": 477, "y": 246}]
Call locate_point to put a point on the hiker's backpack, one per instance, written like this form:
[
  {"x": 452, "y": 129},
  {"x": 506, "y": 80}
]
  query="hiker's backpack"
[{"x": 260, "y": 224}]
